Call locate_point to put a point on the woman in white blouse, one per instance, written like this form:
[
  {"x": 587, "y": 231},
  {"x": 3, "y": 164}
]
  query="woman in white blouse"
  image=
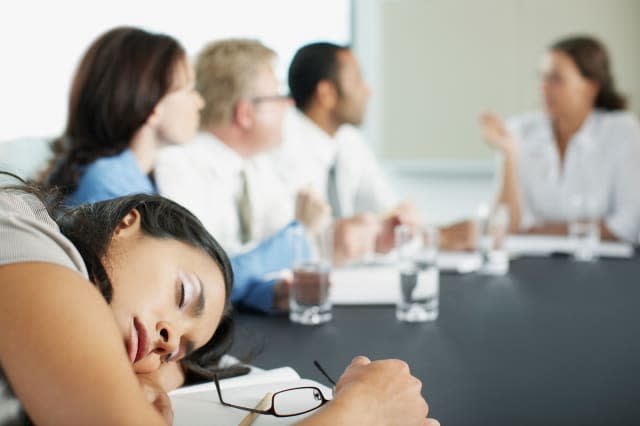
[{"x": 584, "y": 145}]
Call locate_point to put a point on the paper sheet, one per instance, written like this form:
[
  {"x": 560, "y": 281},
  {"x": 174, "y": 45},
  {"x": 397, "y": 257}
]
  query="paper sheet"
[{"x": 199, "y": 405}]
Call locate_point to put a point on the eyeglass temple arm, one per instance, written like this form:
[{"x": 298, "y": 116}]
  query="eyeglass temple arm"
[
  {"x": 324, "y": 373},
  {"x": 253, "y": 410}
]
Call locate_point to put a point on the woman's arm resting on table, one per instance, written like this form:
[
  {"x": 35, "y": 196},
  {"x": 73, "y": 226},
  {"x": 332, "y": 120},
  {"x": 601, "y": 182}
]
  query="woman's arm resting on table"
[
  {"x": 62, "y": 352},
  {"x": 563, "y": 229}
]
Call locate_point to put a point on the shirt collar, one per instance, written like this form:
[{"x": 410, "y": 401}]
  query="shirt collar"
[
  {"x": 222, "y": 159},
  {"x": 582, "y": 138},
  {"x": 324, "y": 147}
]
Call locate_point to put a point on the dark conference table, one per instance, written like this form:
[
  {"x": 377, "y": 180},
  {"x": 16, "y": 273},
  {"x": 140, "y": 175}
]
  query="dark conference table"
[{"x": 554, "y": 342}]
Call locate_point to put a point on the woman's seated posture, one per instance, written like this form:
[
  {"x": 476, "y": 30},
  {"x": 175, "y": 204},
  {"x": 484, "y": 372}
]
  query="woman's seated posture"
[{"x": 580, "y": 157}]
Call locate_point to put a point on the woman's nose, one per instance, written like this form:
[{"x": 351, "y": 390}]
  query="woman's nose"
[{"x": 167, "y": 341}]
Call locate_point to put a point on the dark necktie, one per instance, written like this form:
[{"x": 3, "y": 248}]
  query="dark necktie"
[
  {"x": 332, "y": 191},
  {"x": 244, "y": 209}
]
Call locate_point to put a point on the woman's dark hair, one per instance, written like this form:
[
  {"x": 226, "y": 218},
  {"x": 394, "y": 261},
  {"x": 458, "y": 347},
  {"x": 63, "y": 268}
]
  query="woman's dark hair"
[
  {"x": 591, "y": 58},
  {"x": 120, "y": 79},
  {"x": 310, "y": 65},
  {"x": 90, "y": 227}
]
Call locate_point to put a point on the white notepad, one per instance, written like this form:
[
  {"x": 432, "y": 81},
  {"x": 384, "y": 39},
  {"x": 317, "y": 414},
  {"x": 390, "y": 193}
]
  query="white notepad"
[{"x": 198, "y": 405}]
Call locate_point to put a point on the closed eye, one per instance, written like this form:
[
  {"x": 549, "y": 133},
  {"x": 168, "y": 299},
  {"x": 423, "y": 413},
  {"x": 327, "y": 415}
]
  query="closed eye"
[
  {"x": 181, "y": 300},
  {"x": 186, "y": 291}
]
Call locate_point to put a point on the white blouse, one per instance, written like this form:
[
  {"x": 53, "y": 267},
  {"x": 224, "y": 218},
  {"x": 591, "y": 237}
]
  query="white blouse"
[{"x": 601, "y": 161}]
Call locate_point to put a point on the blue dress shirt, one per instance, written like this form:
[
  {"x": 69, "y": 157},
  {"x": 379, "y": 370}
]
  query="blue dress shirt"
[{"x": 273, "y": 254}]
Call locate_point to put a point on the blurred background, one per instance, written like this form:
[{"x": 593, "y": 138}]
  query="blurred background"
[{"x": 433, "y": 66}]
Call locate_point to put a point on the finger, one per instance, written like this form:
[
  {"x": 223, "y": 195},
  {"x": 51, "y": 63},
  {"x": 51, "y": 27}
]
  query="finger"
[
  {"x": 431, "y": 422},
  {"x": 360, "y": 360}
]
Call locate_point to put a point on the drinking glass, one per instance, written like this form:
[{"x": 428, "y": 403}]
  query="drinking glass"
[{"x": 418, "y": 274}]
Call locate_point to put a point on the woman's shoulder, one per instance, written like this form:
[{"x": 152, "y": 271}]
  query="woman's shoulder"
[
  {"x": 619, "y": 127},
  {"x": 29, "y": 234},
  {"x": 16, "y": 201},
  {"x": 114, "y": 163},
  {"x": 111, "y": 177},
  {"x": 618, "y": 120}
]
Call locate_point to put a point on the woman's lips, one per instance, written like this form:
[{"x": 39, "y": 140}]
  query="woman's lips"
[
  {"x": 132, "y": 344},
  {"x": 138, "y": 342},
  {"x": 142, "y": 340}
]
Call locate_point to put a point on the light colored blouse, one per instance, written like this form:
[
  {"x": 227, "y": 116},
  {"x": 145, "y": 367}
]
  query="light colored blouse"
[{"x": 602, "y": 162}]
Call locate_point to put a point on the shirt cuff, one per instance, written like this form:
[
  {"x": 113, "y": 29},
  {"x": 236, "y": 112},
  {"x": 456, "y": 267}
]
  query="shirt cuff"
[{"x": 260, "y": 296}]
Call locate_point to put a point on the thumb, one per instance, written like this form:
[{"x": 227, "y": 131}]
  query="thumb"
[{"x": 360, "y": 360}]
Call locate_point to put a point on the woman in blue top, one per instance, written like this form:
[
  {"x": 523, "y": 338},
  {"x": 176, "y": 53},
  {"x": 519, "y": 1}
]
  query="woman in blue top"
[{"x": 134, "y": 92}]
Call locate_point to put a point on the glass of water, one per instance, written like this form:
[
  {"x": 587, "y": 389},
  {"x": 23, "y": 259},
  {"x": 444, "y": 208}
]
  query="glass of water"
[
  {"x": 584, "y": 227},
  {"x": 419, "y": 278},
  {"x": 309, "y": 301},
  {"x": 493, "y": 229}
]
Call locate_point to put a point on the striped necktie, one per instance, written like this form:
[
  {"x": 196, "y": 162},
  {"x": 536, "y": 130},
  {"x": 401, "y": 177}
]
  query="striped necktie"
[{"x": 244, "y": 209}]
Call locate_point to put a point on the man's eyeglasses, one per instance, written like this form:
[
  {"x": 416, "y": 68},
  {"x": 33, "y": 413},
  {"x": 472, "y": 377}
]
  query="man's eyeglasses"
[
  {"x": 287, "y": 402},
  {"x": 269, "y": 98}
]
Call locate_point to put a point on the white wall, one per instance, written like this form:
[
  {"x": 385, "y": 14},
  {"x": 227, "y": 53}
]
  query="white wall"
[{"x": 42, "y": 41}]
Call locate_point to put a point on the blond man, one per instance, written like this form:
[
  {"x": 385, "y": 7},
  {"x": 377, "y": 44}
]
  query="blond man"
[{"x": 221, "y": 178}]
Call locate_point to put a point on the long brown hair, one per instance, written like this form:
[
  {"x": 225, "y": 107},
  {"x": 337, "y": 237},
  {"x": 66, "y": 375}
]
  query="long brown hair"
[
  {"x": 120, "y": 79},
  {"x": 592, "y": 59}
]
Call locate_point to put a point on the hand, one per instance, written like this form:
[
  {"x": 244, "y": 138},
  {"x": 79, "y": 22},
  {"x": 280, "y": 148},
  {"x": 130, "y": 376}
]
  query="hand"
[
  {"x": 355, "y": 237},
  {"x": 383, "y": 393},
  {"x": 281, "y": 291},
  {"x": 311, "y": 210},
  {"x": 495, "y": 133},
  {"x": 157, "y": 396},
  {"x": 459, "y": 236},
  {"x": 405, "y": 214}
]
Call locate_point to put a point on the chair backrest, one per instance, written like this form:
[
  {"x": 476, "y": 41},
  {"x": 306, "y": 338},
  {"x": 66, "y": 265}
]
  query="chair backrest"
[{"x": 25, "y": 157}]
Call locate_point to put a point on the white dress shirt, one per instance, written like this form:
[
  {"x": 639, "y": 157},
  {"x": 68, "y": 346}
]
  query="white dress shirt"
[
  {"x": 308, "y": 153},
  {"x": 602, "y": 160},
  {"x": 205, "y": 176}
]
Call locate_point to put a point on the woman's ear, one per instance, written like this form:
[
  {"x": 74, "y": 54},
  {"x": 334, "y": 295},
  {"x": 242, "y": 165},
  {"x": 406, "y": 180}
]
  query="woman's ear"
[
  {"x": 593, "y": 87},
  {"x": 154, "y": 117},
  {"x": 129, "y": 225}
]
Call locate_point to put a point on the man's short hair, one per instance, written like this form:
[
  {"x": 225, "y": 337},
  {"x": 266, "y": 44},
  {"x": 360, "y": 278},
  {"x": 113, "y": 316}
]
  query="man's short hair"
[
  {"x": 310, "y": 65},
  {"x": 225, "y": 72}
]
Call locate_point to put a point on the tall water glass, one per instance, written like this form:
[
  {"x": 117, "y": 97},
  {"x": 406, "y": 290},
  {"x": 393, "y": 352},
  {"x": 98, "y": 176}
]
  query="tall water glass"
[
  {"x": 419, "y": 278},
  {"x": 584, "y": 227},
  {"x": 309, "y": 301},
  {"x": 493, "y": 228}
]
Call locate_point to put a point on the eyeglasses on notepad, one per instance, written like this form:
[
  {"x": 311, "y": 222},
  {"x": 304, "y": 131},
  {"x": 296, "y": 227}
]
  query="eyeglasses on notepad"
[{"x": 287, "y": 402}]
